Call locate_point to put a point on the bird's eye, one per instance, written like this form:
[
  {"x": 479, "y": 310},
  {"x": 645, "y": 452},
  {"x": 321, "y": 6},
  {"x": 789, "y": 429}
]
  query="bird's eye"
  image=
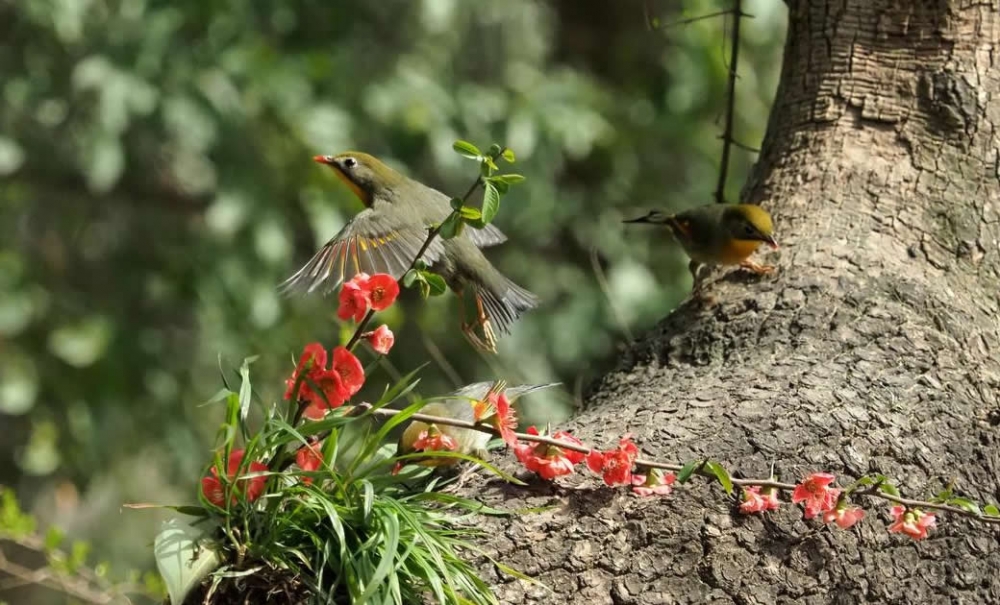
[
  {"x": 749, "y": 229},
  {"x": 350, "y": 162}
]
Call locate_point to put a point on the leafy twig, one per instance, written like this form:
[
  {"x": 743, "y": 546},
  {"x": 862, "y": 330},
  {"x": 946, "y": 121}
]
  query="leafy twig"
[{"x": 873, "y": 491}]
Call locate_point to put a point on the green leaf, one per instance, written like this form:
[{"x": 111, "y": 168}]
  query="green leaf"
[
  {"x": 501, "y": 186},
  {"x": 181, "y": 559},
  {"x": 687, "y": 470},
  {"x": 495, "y": 150},
  {"x": 457, "y": 203},
  {"x": 509, "y": 156},
  {"x": 722, "y": 475},
  {"x": 965, "y": 504},
  {"x": 409, "y": 278},
  {"x": 246, "y": 392},
  {"x": 436, "y": 283},
  {"x": 491, "y": 202},
  {"x": 510, "y": 179},
  {"x": 451, "y": 226},
  {"x": 468, "y": 458},
  {"x": 425, "y": 289},
  {"x": 862, "y": 482},
  {"x": 888, "y": 488},
  {"x": 471, "y": 214},
  {"x": 369, "y": 499},
  {"x": 390, "y": 534},
  {"x": 991, "y": 510},
  {"x": 466, "y": 149},
  {"x": 193, "y": 511},
  {"x": 943, "y": 496},
  {"x": 53, "y": 538}
]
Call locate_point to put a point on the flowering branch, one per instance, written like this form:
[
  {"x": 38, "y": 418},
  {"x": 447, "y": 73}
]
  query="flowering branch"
[
  {"x": 433, "y": 233},
  {"x": 874, "y": 490}
]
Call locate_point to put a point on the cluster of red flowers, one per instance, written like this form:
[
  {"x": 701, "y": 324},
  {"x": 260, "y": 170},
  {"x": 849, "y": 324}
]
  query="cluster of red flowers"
[
  {"x": 369, "y": 292},
  {"x": 322, "y": 388},
  {"x": 366, "y": 292},
  {"x": 615, "y": 466},
  {"x": 249, "y": 487},
  {"x": 549, "y": 461},
  {"x": 820, "y": 499},
  {"x": 309, "y": 458}
]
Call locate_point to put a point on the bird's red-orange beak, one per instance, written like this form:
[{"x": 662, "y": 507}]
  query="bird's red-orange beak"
[
  {"x": 321, "y": 159},
  {"x": 770, "y": 241}
]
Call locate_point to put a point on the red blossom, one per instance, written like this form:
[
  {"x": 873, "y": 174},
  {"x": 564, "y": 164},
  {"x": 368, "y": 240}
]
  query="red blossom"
[
  {"x": 496, "y": 408},
  {"x": 756, "y": 502},
  {"x": 363, "y": 292},
  {"x": 352, "y": 374},
  {"x": 381, "y": 339},
  {"x": 653, "y": 484},
  {"x": 354, "y": 298},
  {"x": 434, "y": 440},
  {"x": 215, "y": 491},
  {"x": 505, "y": 420},
  {"x": 844, "y": 516},
  {"x": 381, "y": 291},
  {"x": 913, "y": 522},
  {"x": 549, "y": 461},
  {"x": 814, "y": 490},
  {"x": 331, "y": 394},
  {"x": 309, "y": 458},
  {"x": 311, "y": 363},
  {"x": 615, "y": 465}
]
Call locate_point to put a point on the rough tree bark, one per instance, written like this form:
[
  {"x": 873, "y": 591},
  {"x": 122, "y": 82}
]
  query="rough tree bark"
[{"x": 875, "y": 348}]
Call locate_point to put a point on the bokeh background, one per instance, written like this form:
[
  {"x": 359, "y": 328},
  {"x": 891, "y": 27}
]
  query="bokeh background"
[{"x": 156, "y": 184}]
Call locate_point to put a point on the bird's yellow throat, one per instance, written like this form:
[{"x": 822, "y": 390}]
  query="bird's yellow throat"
[{"x": 358, "y": 191}]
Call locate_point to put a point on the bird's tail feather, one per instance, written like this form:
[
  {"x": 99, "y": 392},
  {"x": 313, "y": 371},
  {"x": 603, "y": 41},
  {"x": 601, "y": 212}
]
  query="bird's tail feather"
[
  {"x": 478, "y": 390},
  {"x": 505, "y": 302}
]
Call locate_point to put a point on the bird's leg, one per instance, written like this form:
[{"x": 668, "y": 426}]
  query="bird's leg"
[
  {"x": 753, "y": 267},
  {"x": 489, "y": 341},
  {"x": 698, "y": 273},
  {"x": 483, "y": 321}
]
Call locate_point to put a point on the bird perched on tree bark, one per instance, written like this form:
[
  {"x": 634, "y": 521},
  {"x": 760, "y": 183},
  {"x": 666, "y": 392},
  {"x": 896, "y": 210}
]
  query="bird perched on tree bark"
[
  {"x": 719, "y": 234},
  {"x": 460, "y": 405},
  {"x": 388, "y": 234}
]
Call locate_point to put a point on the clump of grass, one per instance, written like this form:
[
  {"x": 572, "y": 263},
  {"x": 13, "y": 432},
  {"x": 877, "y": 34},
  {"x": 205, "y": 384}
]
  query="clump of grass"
[{"x": 353, "y": 530}]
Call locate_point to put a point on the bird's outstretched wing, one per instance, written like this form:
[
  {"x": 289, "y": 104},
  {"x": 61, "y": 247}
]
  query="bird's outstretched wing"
[
  {"x": 486, "y": 237},
  {"x": 374, "y": 241}
]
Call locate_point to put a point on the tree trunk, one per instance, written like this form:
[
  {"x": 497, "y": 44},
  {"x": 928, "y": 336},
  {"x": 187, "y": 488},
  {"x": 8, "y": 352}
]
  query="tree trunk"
[{"x": 874, "y": 348}]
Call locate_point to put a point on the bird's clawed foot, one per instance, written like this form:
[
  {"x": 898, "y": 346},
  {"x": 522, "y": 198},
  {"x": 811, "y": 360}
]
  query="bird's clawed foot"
[
  {"x": 487, "y": 341},
  {"x": 753, "y": 267},
  {"x": 464, "y": 476},
  {"x": 699, "y": 274}
]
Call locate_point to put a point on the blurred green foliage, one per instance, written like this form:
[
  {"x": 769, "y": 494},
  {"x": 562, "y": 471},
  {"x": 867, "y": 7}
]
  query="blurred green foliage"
[{"x": 156, "y": 184}]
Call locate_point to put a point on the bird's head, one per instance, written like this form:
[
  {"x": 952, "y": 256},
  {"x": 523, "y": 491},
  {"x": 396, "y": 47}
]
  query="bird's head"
[
  {"x": 363, "y": 173},
  {"x": 409, "y": 437},
  {"x": 748, "y": 222}
]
